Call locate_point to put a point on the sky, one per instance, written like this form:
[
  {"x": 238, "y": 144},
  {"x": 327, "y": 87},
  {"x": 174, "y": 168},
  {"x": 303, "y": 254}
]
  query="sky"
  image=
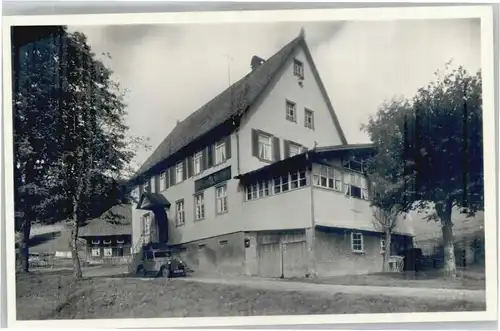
[{"x": 172, "y": 70}]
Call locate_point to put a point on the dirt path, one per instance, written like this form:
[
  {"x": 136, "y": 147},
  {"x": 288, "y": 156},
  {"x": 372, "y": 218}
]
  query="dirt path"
[{"x": 279, "y": 285}]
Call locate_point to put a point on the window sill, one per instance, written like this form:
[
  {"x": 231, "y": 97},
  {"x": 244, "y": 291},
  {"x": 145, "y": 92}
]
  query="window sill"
[
  {"x": 359, "y": 252},
  {"x": 200, "y": 219},
  {"x": 264, "y": 160},
  {"x": 221, "y": 213}
]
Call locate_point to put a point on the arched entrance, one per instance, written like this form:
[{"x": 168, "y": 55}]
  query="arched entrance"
[{"x": 158, "y": 228}]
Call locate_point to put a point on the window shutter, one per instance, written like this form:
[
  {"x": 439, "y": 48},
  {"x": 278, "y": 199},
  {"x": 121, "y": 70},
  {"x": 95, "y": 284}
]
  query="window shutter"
[
  {"x": 286, "y": 148},
  {"x": 228, "y": 147},
  {"x": 172, "y": 175},
  {"x": 157, "y": 183},
  {"x": 190, "y": 166},
  {"x": 255, "y": 143},
  {"x": 184, "y": 169},
  {"x": 141, "y": 190},
  {"x": 167, "y": 178},
  {"x": 276, "y": 149},
  {"x": 204, "y": 159},
  {"x": 210, "y": 155}
]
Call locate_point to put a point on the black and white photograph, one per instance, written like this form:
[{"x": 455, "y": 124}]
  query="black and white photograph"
[{"x": 319, "y": 165}]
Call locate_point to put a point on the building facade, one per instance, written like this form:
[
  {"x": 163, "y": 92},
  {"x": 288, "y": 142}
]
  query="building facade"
[{"x": 247, "y": 183}]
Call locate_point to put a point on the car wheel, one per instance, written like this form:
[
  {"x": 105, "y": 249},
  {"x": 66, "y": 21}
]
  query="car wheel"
[
  {"x": 141, "y": 271},
  {"x": 165, "y": 272}
]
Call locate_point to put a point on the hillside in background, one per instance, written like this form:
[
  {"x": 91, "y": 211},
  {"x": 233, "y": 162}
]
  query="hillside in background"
[{"x": 429, "y": 232}]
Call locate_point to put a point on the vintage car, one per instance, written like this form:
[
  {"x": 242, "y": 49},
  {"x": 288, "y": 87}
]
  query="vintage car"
[{"x": 160, "y": 262}]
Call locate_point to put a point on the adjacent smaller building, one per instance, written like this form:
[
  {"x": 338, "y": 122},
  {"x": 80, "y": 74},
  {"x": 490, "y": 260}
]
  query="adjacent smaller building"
[{"x": 109, "y": 237}]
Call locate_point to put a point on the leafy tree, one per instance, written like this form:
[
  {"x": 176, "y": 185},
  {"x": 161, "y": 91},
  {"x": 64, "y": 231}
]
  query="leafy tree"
[
  {"x": 95, "y": 149},
  {"x": 430, "y": 150},
  {"x": 386, "y": 212},
  {"x": 82, "y": 148},
  {"x": 35, "y": 113}
]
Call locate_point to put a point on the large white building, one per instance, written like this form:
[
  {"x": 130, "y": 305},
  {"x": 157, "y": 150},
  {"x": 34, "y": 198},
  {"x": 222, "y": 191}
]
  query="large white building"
[{"x": 261, "y": 181}]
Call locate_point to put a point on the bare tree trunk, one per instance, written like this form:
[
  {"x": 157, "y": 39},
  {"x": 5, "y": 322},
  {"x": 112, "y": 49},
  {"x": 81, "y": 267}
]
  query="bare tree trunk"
[
  {"x": 24, "y": 246},
  {"x": 77, "y": 270},
  {"x": 387, "y": 253},
  {"x": 444, "y": 212}
]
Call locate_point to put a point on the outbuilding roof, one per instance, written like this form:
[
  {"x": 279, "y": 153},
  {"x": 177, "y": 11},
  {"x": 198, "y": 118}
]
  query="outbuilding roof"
[{"x": 115, "y": 221}]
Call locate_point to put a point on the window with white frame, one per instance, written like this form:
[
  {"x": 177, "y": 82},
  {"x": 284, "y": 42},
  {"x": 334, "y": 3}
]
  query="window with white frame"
[
  {"x": 108, "y": 251},
  {"x": 355, "y": 185},
  {"x": 220, "y": 152},
  {"x": 382, "y": 245},
  {"x": 96, "y": 252},
  {"x": 179, "y": 172},
  {"x": 281, "y": 184},
  {"x": 258, "y": 190},
  {"x": 294, "y": 149},
  {"x": 309, "y": 119},
  {"x": 163, "y": 181},
  {"x": 146, "y": 186},
  {"x": 357, "y": 242},
  {"x": 265, "y": 147},
  {"x": 95, "y": 242},
  {"x": 291, "y": 112},
  {"x": 298, "y": 179},
  {"x": 146, "y": 219},
  {"x": 179, "y": 213},
  {"x": 106, "y": 242},
  {"x": 118, "y": 241},
  {"x": 298, "y": 68},
  {"x": 199, "y": 205},
  {"x": 327, "y": 177},
  {"x": 197, "y": 162},
  {"x": 221, "y": 199}
]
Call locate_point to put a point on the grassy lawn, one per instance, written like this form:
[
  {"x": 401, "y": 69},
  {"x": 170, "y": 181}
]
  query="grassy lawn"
[
  {"x": 468, "y": 280},
  {"x": 56, "y": 296}
]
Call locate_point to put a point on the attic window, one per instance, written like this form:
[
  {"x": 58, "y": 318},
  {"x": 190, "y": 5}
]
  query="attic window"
[
  {"x": 120, "y": 241},
  {"x": 95, "y": 242},
  {"x": 222, "y": 242},
  {"x": 201, "y": 246},
  {"x": 106, "y": 241},
  {"x": 298, "y": 69}
]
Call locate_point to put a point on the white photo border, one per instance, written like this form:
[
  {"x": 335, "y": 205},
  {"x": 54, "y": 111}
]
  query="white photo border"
[{"x": 483, "y": 12}]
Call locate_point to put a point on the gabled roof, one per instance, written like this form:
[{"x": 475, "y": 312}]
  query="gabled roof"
[
  {"x": 115, "y": 221},
  {"x": 148, "y": 200},
  {"x": 231, "y": 103}
]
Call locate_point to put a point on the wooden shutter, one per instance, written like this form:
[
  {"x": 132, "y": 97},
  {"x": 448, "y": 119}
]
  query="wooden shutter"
[
  {"x": 190, "y": 166},
  {"x": 255, "y": 143},
  {"x": 157, "y": 183},
  {"x": 286, "y": 148},
  {"x": 228, "y": 147},
  {"x": 204, "y": 159},
  {"x": 210, "y": 155},
  {"x": 184, "y": 169},
  {"x": 172, "y": 176},
  {"x": 276, "y": 149},
  {"x": 167, "y": 178}
]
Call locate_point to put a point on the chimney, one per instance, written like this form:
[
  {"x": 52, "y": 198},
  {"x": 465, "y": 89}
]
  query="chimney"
[{"x": 256, "y": 62}]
